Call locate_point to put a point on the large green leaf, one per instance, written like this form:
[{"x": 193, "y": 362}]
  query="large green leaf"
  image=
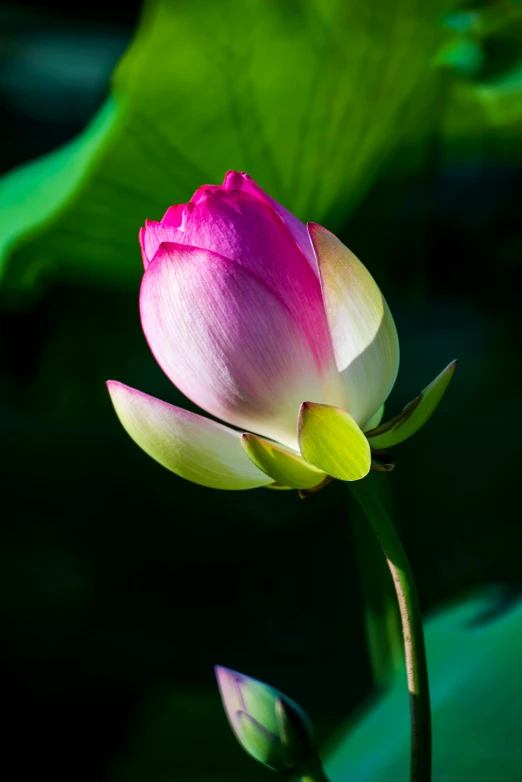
[
  {"x": 309, "y": 98},
  {"x": 486, "y": 101},
  {"x": 474, "y": 652}
]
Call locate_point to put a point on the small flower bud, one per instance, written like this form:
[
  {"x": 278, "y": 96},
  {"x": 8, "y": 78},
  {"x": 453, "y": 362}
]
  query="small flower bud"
[{"x": 270, "y": 727}]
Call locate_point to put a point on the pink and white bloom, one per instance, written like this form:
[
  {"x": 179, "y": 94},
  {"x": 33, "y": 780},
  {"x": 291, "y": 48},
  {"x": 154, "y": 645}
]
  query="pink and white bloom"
[{"x": 273, "y": 327}]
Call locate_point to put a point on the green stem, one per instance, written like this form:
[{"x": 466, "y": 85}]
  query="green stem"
[
  {"x": 414, "y": 648},
  {"x": 313, "y": 771},
  {"x": 317, "y": 776}
]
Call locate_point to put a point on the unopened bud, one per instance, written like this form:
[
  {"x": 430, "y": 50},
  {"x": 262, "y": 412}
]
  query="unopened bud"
[{"x": 270, "y": 726}]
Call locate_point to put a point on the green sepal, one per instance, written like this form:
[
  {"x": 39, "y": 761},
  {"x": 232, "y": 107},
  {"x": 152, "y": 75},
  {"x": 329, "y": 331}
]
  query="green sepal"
[
  {"x": 263, "y": 745},
  {"x": 414, "y": 415},
  {"x": 286, "y": 468},
  {"x": 331, "y": 440},
  {"x": 295, "y": 732}
]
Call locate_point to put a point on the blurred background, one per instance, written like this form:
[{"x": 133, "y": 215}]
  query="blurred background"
[{"x": 397, "y": 125}]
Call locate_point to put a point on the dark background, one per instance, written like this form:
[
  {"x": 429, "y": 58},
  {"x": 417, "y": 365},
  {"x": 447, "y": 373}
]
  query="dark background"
[{"x": 123, "y": 585}]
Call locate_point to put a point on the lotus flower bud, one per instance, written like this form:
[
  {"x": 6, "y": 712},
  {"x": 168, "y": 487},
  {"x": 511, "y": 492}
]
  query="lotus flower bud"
[
  {"x": 277, "y": 330},
  {"x": 270, "y": 726}
]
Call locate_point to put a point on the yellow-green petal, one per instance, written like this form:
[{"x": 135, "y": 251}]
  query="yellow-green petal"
[
  {"x": 284, "y": 466},
  {"x": 331, "y": 440},
  {"x": 414, "y": 415},
  {"x": 190, "y": 445}
]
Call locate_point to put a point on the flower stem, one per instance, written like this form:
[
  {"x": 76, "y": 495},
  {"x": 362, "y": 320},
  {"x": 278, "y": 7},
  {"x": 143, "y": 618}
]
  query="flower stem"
[
  {"x": 414, "y": 647},
  {"x": 317, "y": 775}
]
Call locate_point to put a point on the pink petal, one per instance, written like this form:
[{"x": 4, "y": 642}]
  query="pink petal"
[
  {"x": 244, "y": 228},
  {"x": 245, "y": 349},
  {"x": 214, "y": 209},
  {"x": 153, "y": 235},
  {"x": 174, "y": 216},
  {"x": 238, "y": 180},
  {"x": 170, "y": 229}
]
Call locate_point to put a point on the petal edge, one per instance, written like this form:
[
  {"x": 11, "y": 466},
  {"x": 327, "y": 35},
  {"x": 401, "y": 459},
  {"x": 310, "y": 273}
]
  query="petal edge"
[
  {"x": 363, "y": 332},
  {"x": 414, "y": 415},
  {"x": 190, "y": 445},
  {"x": 282, "y": 465}
]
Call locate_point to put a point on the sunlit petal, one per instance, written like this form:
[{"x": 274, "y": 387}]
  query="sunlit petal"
[
  {"x": 233, "y": 344},
  {"x": 189, "y": 445},
  {"x": 330, "y": 439},
  {"x": 363, "y": 333},
  {"x": 284, "y": 466}
]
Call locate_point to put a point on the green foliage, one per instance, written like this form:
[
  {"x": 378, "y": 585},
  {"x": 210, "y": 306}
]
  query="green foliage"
[
  {"x": 474, "y": 652},
  {"x": 310, "y": 99},
  {"x": 35, "y": 196},
  {"x": 484, "y": 104},
  {"x": 184, "y": 734}
]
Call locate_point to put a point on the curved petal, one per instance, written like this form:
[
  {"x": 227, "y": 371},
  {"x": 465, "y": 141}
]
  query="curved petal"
[
  {"x": 241, "y": 222},
  {"x": 414, "y": 415},
  {"x": 232, "y": 344},
  {"x": 283, "y": 466},
  {"x": 260, "y": 743},
  {"x": 374, "y": 420},
  {"x": 189, "y": 445},
  {"x": 153, "y": 235},
  {"x": 238, "y": 180},
  {"x": 171, "y": 228},
  {"x": 330, "y": 439},
  {"x": 174, "y": 216},
  {"x": 244, "y": 228},
  {"x": 364, "y": 336},
  {"x": 240, "y": 692}
]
